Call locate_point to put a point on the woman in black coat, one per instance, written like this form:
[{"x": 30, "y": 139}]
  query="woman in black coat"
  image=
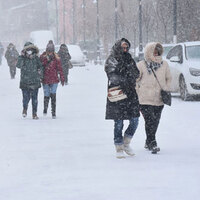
[
  {"x": 11, "y": 56},
  {"x": 122, "y": 71},
  {"x": 65, "y": 60}
]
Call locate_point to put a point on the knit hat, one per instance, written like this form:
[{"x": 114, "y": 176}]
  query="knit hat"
[
  {"x": 50, "y": 47},
  {"x": 63, "y": 45}
]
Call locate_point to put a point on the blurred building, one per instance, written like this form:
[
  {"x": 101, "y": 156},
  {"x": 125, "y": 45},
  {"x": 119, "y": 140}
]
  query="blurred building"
[{"x": 19, "y": 17}]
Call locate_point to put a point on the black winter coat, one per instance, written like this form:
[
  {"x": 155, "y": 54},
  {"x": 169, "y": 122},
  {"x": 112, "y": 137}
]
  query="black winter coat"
[
  {"x": 11, "y": 56},
  {"x": 122, "y": 71},
  {"x": 65, "y": 59}
]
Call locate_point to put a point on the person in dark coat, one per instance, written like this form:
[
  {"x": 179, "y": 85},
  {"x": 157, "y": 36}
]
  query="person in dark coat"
[
  {"x": 11, "y": 56},
  {"x": 65, "y": 60},
  {"x": 53, "y": 74},
  {"x": 122, "y": 71},
  {"x": 31, "y": 75},
  {"x": 1, "y": 52}
]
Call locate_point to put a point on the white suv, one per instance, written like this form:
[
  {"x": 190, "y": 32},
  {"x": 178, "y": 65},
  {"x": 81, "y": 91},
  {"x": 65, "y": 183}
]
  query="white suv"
[{"x": 184, "y": 63}]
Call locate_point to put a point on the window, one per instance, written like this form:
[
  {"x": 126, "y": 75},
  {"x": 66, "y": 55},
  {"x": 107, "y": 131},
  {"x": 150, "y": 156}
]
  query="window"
[
  {"x": 176, "y": 51},
  {"x": 193, "y": 52}
]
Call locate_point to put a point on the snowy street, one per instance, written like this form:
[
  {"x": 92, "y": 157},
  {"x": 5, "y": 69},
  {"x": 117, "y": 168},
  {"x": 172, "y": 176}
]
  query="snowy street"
[{"x": 73, "y": 156}]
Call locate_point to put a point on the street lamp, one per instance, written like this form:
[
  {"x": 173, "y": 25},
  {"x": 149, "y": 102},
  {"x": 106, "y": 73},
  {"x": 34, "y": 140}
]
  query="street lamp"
[
  {"x": 140, "y": 31},
  {"x": 98, "y": 59},
  {"x": 116, "y": 20},
  {"x": 56, "y": 4},
  {"x": 175, "y": 21},
  {"x": 84, "y": 22},
  {"x": 74, "y": 21},
  {"x": 64, "y": 21},
  {"x": 47, "y": 4}
]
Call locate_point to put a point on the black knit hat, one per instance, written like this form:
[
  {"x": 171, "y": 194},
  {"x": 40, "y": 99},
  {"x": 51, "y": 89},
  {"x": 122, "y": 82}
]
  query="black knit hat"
[{"x": 50, "y": 47}]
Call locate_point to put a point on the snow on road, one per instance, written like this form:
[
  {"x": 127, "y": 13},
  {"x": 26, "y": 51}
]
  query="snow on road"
[{"x": 73, "y": 157}]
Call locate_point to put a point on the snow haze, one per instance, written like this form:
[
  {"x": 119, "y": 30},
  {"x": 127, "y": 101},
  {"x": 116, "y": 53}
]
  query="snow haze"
[{"x": 73, "y": 156}]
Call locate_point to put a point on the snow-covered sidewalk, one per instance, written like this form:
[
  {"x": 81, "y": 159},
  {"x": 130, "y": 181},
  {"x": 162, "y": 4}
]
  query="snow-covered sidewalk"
[{"x": 73, "y": 157}]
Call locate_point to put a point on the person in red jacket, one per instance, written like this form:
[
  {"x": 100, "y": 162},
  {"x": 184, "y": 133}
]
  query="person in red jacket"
[{"x": 53, "y": 74}]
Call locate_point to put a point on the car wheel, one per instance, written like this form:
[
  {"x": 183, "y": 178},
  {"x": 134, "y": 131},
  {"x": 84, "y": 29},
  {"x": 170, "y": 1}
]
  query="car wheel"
[{"x": 183, "y": 89}]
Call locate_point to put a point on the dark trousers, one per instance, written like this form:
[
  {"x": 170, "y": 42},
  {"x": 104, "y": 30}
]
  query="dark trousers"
[
  {"x": 118, "y": 127},
  {"x": 12, "y": 71},
  {"x": 152, "y": 115},
  {"x": 30, "y": 94}
]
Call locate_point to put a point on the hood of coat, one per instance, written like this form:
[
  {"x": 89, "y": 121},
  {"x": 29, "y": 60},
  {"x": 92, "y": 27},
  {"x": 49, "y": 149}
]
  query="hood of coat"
[
  {"x": 63, "y": 50},
  {"x": 149, "y": 52},
  {"x": 29, "y": 45},
  {"x": 11, "y": 46},
  {"x": 117, "y": 49}
]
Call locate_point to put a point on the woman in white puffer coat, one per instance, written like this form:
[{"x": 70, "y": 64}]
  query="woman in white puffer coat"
[{"x": 148, "y": 89}]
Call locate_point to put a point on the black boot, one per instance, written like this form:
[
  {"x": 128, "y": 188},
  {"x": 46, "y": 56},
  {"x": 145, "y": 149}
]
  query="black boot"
[
  {"x": 46, "y": 103},
  {"x": 24, "y": 112},
  {"x": 147, "y": 145},
  {"x": 35, "y": 116},
  {"x": 53, "y": 105},
  {"x": 153, "y": 147}
]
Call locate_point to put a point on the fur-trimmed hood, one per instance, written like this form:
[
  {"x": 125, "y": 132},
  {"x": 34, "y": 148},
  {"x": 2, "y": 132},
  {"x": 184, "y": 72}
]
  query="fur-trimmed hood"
[
  {"x": 149, "y": 52},
  {"x": 29, "y": 45}
]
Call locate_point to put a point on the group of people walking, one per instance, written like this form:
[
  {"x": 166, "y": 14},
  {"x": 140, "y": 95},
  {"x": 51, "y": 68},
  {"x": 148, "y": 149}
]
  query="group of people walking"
[
  {"x": 47, "y": 70},
  {"x": 142, "y": 92},
  {"x": 139, "y": 85}
]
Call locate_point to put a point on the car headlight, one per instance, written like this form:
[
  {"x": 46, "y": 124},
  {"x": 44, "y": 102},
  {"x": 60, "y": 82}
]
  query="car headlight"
[{"x": 194, "y": 72}]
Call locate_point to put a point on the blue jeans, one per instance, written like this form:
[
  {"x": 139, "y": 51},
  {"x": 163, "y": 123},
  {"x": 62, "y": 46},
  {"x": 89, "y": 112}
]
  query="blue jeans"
[
  {"x": 49, "y": 89},
  {"x": 118, "y": 127},
  {"x": 30, "y": 94}
]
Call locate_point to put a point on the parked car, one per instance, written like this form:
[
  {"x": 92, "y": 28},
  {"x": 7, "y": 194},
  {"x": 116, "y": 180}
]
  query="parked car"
[
  {"x": 184, "y": 62},
  {"x": 77, "y": 56},
  {"x": 166, "y": 49}
]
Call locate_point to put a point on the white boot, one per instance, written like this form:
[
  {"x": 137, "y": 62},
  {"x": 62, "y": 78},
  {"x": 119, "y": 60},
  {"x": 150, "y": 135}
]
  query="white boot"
[
  {"x": 127, "y": 147},
  {"x": 120, "y": 151}
]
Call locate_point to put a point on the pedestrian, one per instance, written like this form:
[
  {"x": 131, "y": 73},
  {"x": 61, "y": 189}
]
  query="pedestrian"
[
  {"x": 1, "y": 52},
  {"x": 53, "y": 73},
  {"x": 122, "y": 73},
  {"x": 11, "y": 56},
  {"x": 65, "y": 61},
  {"x": 31, "y": 75},
  {"x": 149, "y": 91}
]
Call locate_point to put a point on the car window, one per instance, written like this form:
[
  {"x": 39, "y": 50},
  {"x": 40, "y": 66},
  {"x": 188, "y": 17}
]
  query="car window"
[
  {"x": 166, "y": 50},
  {"x": 193, "y": 52},
  {"x": 176, "y": 51}
]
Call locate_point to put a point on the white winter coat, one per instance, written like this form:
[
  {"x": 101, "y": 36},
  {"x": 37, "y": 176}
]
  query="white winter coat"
[{"x": 147, "y": 87}]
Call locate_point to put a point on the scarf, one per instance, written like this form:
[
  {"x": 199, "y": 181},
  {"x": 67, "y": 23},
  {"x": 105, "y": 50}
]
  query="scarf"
[{"x": 152, "y": 65}]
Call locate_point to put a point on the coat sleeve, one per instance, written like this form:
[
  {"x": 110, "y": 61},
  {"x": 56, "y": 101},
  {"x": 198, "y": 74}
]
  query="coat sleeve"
[
  {"x": 112, "y": 69},
  {"x": 40, "y": 68},
  {"x": 69, "y": 56},
  {"x": 20, "y": 62},
  {"x": 60, "y": 70},
  {"x": 139, "y": 67},
  {"x": 134, "y": 73},
  {"x": 6, "y": 55}
]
